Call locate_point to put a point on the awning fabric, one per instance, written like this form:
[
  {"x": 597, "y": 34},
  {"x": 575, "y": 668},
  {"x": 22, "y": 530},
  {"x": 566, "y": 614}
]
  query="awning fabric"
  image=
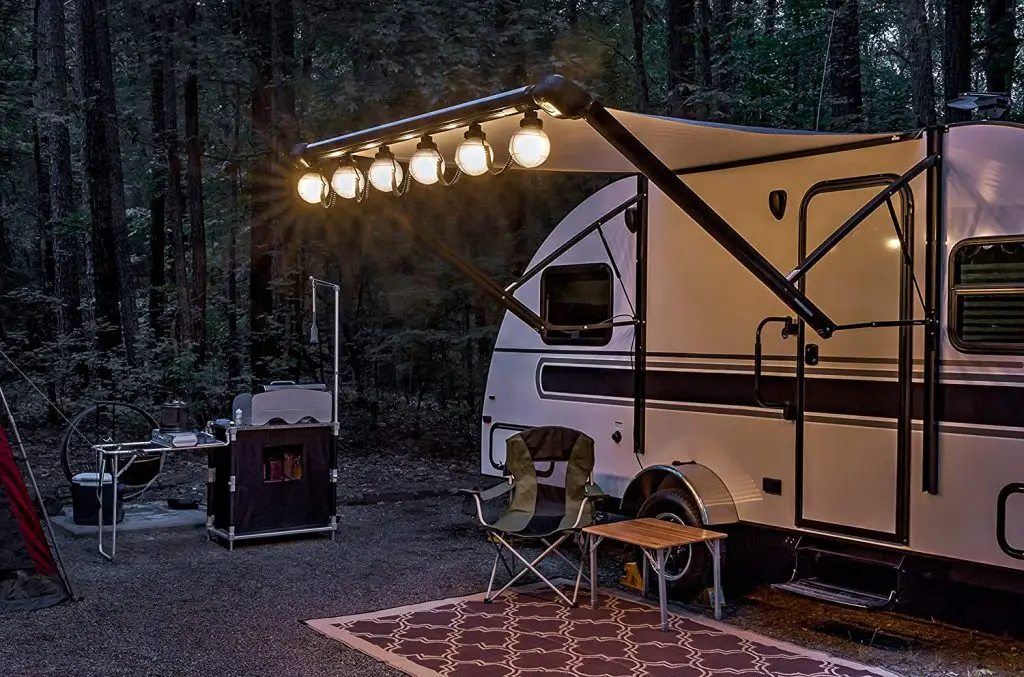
[{"x": 680, "y": 144}]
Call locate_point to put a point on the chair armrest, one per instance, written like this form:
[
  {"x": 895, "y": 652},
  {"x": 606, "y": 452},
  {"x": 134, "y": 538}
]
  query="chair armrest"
[
  {"x": 487, "y": 494},
  {"x": 593, "y": 491},
  {"x": 480, "y": 496}
]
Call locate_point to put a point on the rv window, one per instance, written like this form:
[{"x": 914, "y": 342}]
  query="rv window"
[
  {"x": 987, "y": 296},
  {"x": 577, "y": 295}
]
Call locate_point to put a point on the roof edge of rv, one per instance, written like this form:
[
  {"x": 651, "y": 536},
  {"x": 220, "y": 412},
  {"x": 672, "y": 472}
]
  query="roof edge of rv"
[{"x": 557, "y": 95}]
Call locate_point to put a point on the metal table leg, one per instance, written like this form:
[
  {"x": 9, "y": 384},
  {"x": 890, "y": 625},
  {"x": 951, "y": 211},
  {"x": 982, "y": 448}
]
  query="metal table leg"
[
  {"x": 594, "y": 542},
  {"x": 113, "y": 525},
  {"x": 716, "y": 563},
  {"x": 662, "y": 596}
]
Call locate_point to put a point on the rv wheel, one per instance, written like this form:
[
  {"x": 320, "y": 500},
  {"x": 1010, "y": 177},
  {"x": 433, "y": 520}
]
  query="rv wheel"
[{"x": 688, "y": 568}]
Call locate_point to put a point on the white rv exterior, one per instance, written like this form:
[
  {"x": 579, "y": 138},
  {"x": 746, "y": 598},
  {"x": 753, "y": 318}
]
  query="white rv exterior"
[{"x": 840, "y": 470}]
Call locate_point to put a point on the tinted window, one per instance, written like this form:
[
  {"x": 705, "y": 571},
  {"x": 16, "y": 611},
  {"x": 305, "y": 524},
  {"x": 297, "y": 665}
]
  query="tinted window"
[
  {"x": 574, "y": 296},
  {"x": 988, "y": 296}
]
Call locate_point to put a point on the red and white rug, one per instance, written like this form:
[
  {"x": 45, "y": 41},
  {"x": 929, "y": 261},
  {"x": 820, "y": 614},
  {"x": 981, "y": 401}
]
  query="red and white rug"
[{"x": 528, "y": 633}]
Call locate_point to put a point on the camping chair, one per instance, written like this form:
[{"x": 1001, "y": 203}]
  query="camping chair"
[{"x": 542, "y": 512}]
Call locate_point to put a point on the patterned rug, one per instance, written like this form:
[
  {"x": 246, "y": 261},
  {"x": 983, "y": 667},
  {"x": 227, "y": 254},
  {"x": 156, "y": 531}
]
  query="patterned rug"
[{"x": 529, "y": 633}]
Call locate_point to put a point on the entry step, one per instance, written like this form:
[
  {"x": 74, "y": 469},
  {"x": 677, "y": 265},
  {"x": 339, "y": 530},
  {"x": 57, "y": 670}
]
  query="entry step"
[{"x": 826, "y": 592}]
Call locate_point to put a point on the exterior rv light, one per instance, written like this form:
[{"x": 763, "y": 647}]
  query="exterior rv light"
[
  {"x": 385, "y": 173},
  {"x": 530, "y": 146},
  {"x": 893, "y": 243},
  {"x": 348, "y": 181},
  {"x": 312, "y": 187},
  {"x": 426, "y": 165},
  {"x": 474, "y": 155}
]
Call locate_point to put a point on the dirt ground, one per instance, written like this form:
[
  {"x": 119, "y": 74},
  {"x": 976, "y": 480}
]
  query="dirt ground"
[{"x": 175, "y": 604}]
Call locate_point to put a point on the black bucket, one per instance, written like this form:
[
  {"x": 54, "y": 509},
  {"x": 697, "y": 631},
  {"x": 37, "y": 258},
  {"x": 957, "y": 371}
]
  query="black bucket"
[{"x": 85, "y": 502}]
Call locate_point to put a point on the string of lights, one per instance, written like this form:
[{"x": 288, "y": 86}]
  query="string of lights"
[{"x": 528, "y": 148}]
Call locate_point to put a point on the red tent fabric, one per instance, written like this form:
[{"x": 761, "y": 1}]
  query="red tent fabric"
[{"x": 28, "y": 572}]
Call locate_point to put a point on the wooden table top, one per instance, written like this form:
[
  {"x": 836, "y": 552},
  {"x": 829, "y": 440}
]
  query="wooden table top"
[{"x": 655, "y": 534}]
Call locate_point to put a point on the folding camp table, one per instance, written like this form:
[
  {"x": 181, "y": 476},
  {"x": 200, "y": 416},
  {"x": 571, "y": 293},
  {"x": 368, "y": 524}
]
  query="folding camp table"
[
  {"x": 114, "y": 451},
  {"x": 656, "y": 535}
]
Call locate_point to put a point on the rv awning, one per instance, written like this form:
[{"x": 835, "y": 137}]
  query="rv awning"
[{"x": 680, "y": 144}]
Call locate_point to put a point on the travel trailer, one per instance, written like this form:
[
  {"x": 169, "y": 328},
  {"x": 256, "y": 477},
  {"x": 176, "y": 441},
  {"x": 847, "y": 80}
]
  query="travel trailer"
[{"x": 858, "y": 388}]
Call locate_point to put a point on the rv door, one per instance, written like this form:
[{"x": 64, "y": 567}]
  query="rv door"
[{"x": 853, "y": 390}]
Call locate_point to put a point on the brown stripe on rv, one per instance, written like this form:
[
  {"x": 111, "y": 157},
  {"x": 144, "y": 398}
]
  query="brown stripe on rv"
[{"x": 958, "y": 403}]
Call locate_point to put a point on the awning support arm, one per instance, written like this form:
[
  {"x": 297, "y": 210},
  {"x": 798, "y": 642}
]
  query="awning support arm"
[
  {"x": 616, "y": 134},
  {"x": 479, "y": 278},
  {"x": 570, "y": 243},
  {"x": 864, "y": 212}
]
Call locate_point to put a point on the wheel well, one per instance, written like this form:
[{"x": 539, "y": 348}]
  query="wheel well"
[
  {"x": 646, "y": 483},
  {"x": 706, "y": 488}
]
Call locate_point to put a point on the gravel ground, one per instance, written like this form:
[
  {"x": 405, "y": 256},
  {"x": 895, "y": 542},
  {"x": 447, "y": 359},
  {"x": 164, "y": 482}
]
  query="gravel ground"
[{"x": 175, "y": 604}]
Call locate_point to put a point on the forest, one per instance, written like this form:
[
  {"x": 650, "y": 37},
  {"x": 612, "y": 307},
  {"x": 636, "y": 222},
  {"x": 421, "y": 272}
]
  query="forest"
[{"x": 152, "y": 244}]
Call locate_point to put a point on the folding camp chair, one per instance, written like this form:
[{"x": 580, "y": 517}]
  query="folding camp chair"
[{"x": 546, "y": 513}]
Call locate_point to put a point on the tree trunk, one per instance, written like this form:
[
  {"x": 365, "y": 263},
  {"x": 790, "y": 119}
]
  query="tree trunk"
[
  {"x": 844, "y": 61},
  {"x": 183, "y": 319},
  {"x": 919, "y": 51},
  {"x": 1000, "y": 45},
  {"x": 234, "y": 367},
  {"x": 98, "y": 173},
  {"x": 158, "y": 198},
  {"x": 956, "y": 57},
  {"x": 705, "y": 43},
  {"x": 643, "y": 88},
  {"x": 262, "y": 340},
  {"x": 119, "y": 217},
  {"x": 682, "y": 55},
  {"x": 722, "y": 73},
  {"x": 53, "y": 90},
  {"x": 194, "y": 173}
]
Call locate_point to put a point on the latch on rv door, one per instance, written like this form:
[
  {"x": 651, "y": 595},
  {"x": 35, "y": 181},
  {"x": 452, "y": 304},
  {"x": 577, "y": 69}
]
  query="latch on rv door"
[{"x": 789, "y": 327}]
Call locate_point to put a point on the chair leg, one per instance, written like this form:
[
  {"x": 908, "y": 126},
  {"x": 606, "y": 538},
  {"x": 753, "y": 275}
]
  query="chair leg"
[
  {"x": 530, "y": 566},
  {"x": 494, "y": 570},
  {"x": 568, "y": 561}
]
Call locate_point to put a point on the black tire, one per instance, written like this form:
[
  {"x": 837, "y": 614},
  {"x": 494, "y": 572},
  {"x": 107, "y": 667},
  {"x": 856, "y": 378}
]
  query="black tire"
[{"x": 688, "y": 569}]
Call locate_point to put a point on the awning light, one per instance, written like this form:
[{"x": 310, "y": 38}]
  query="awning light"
[
  {"x": 474, "y": 155},
  {"x": 386, "y": 173},
  {"x": 348, "y": 181},
  {"x": 426, "y": 165},
  {"x": 313, "y": 188},
  {"x": 530, "y": 146}
]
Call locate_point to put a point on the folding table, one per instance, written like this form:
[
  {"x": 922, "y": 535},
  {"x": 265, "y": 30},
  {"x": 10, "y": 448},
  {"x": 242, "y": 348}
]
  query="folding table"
[
  {"x": 659, "y": 536},
  {"x": 114, "y": 451}
]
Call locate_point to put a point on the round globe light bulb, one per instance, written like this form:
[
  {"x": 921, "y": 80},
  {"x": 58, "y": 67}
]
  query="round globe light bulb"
[
  {"x": 474, "y": 155},
  {"x": 385, "y": 173},
  {"x": 529, "y": 146},
  {"x": 312, "y": 187},
  {"x": 426, "y": 165},
  {"x": 347, "y": 181}
]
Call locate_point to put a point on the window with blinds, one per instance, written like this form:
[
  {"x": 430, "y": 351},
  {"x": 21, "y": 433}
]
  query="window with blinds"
[{"x": 987, "y": 296}]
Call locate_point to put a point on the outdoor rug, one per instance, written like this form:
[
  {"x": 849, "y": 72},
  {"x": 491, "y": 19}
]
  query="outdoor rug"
[{"x": 528, "y": 633}]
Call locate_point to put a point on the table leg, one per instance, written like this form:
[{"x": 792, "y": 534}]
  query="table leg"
[
  {"x": 594, "y": 542},
  {"x": 113, "y": 510},
  {"x": 662, "y": 596},
  {"x": 646, "y": 576},
  {"x": 716, "y": 563},
  {"x": 99, "y": 523}
]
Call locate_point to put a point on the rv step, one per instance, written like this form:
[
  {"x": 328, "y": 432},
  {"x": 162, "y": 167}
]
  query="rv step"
[
  {"x": 815, "y": 589},
  {"x": 892, "y": 560}
]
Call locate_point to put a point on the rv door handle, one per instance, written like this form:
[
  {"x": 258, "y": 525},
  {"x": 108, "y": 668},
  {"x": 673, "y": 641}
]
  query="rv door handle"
[{"x": 789, "y": 327}]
